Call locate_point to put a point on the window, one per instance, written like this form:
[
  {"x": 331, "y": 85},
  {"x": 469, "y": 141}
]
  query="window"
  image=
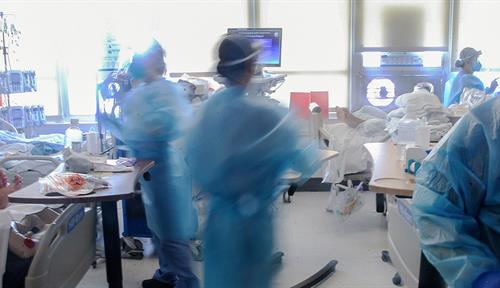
[
  {"x": 70, "y": 36},
  {"x": 381, "y": 23},
  {"x": 315, "y": 45},
  {"x": 35, "y": 52},
  {"x": 191, "y": 30},
  {"x": 474, "y": 24}
]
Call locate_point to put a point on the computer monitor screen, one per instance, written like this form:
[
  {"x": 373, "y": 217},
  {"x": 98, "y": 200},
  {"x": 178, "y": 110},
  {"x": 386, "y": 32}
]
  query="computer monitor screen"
[{"x": 269, "y": 40}]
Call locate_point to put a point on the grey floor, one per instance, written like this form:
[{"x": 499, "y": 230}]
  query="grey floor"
[{"x": 310, "y": 238}]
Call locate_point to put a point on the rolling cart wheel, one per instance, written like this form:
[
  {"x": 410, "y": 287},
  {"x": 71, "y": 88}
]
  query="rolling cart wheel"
[
  {"x": 380, "y": 203},
  {"x": 396, "y": 280},
  {"x": 385, "y": 256},
  {"x": 286, "y": 197},
  {"x": 277, "y": 258}
]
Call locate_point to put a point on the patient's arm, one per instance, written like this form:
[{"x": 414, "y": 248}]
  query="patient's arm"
[
  {"x": 347, "y": 117},
  {"x": 6, "y": 188}
]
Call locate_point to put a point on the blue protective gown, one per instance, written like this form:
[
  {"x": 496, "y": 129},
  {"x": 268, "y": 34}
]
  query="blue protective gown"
[
  {"x": 461, "y": 81},
  {"x": 456, "y": 204},
  {"x": 237, "y": 153},
  {"x": 153, "y": 116}
]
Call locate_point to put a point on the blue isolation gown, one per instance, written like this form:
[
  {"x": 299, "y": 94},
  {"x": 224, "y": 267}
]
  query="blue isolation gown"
[
  {"x": 152, "y": 117},
  {"x": 461, "y": 81},
  {"x": 456, "y": 204},
  {"x": 237, "y": 152}
]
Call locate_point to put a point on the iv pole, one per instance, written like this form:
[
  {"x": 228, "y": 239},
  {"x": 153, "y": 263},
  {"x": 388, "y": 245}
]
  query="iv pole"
[{"x": 4, "y": 51}]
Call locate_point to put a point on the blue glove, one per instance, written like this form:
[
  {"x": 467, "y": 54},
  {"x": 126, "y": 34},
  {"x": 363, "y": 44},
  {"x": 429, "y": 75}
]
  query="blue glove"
[{"x": 487, "y": 280}]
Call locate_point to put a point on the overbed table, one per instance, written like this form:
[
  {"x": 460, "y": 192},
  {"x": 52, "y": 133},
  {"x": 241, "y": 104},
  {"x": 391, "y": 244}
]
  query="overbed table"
[
  {"x": 388, "y": 174},
  {"x": 388, "y": 177},
  {"x": 123, "y": 186}
]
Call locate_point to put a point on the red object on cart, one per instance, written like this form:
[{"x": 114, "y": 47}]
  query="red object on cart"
[{"x": 299, "y": 102}]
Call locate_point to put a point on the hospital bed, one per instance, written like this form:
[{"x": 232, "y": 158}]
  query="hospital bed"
[
  {"x": 31, "y": 168},
  {"x": 319, "y": 132},
  {"x": 66, "y": 251},
  {"x": 66, "y": 248},
  {"x": 31, "y": 158},
  {"x": 63, "y": 240}
]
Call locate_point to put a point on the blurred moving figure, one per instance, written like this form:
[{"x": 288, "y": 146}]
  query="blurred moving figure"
[
  {"x": 456, "y": 204},
  {"x": 153, "y": 115},
  {"x": 237, "y": 153}
]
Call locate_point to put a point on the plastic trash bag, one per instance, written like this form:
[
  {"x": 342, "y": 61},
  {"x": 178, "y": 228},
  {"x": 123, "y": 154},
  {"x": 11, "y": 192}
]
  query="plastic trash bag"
[
  {"x": 472, "y": 97},
  {"x": 71, "y": 184},
  {"x": 353, "y": 157},
  {"x": 346, "y": 200}
]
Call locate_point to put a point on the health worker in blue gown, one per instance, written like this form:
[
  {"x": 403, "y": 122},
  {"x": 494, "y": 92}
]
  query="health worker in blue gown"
[
  {"x": 468, "y": 64},
  {"x": 456, "y": 204},
  {"x": 153, "y": 117},
  {"x": 238, "y": 152}
]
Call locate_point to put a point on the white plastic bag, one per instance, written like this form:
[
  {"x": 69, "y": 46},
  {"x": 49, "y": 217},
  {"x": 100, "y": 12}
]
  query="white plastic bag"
[
  {"x": 71, "y": 184},
  {"x": 472, "y": 97},
  {"x": 345, "y": 200},
  {"x": 353, "y": 157}
]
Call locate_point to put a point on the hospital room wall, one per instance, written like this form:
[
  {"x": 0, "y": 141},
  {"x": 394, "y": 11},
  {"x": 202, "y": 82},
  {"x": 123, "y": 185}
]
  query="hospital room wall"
[{"x": 315, "y": 46}]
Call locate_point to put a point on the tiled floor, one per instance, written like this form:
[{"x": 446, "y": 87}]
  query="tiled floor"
[{"x": 310, "y": 238}]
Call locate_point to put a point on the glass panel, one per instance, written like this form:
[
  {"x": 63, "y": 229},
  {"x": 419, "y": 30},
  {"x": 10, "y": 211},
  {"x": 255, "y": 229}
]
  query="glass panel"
[
  {"x": 72, "y": 34},
  {"x": 46, "y": 96},
  {"x": 315, "y": 33},
  {"x": 403, "y": 24},
  {"x": 475, "y": 23}
]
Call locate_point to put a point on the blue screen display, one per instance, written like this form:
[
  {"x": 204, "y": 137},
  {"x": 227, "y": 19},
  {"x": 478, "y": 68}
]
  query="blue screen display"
[{"x": 269, "y": 40}]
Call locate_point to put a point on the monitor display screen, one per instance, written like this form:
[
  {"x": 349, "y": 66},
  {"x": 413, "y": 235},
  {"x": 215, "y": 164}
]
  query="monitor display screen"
[{"x": 269, "y": 40}]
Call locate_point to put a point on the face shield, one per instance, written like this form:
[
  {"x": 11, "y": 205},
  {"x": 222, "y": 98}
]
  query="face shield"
[{"x": 468, "y": 54}]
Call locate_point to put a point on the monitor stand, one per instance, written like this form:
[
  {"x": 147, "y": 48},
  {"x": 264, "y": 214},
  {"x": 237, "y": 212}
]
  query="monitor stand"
[
  {"x": 259, "y": 71},
  {"x": 262, "y": 84}
]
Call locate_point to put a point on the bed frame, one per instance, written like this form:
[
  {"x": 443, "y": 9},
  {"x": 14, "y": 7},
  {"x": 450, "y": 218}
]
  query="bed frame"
[{"x": 66, "y": 251}]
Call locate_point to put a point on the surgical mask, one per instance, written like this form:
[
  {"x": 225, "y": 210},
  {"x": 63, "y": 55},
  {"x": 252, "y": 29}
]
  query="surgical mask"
[{"x": 477, "y": 66}]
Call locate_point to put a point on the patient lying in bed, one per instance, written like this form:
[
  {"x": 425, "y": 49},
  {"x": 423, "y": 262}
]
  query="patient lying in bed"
[
  {"x": 24, "y": 233},
  {"x": 370, "y": 124}
]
